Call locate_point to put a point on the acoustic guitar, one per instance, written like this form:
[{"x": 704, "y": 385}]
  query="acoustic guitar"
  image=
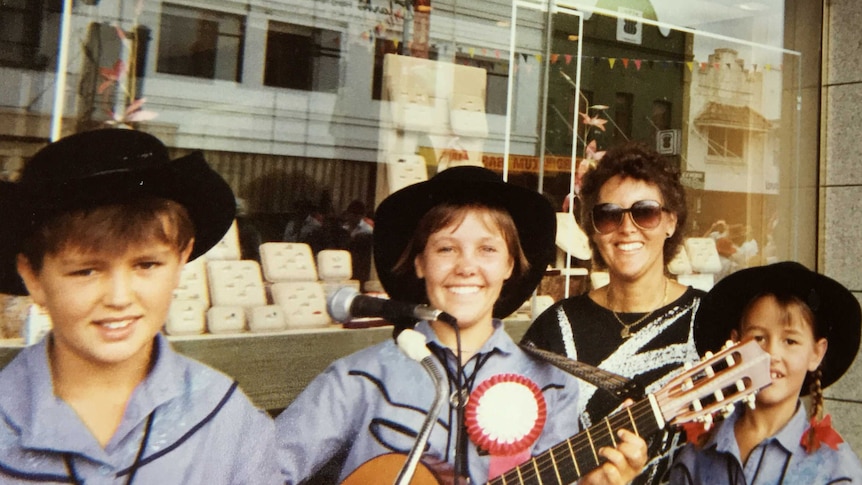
[{"x": 698, "y": 393}]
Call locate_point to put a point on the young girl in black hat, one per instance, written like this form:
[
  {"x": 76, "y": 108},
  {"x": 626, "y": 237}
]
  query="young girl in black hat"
[
  {"x": 99, "y": 227},
  {"x": 470, "y": 245},
  {"x": 810, "y": 326}
]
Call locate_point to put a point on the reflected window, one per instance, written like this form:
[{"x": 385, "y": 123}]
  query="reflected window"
[
  {"x": 497, "y": 80},
  {"x": 200, "y": 43},
  {"x": 28, "y": 32},
  {"x": 728, "y": 129},
  {"x": 660, "y": 118},
  {"x": 727, "y": 143},
  {"x": 623, "y": 113},
  {"x": 299, "y": 57},
  {"x": 381, "y": 48}
]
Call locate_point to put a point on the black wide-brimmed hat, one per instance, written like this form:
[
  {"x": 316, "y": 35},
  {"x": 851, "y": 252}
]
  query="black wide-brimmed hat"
[
  {"x": 397, "y": 217},
  {"x": 105, "y": 166},
  {"x": 836, "y": 310}
]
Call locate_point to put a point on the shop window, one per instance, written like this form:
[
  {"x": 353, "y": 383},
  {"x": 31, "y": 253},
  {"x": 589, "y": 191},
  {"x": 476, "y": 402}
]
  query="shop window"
[
  {"x": 303, "y": 58},
  {"x": 200, "y": 43},
  {"x": 28, "y": 32}
]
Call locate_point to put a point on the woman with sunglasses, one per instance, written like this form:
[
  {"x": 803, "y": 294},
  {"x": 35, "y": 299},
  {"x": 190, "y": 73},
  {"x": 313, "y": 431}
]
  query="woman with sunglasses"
[{"x": 640, "y": 324}]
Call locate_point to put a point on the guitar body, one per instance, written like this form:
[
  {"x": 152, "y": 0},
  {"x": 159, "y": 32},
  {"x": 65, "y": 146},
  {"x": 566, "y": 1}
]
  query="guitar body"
[{"x": 385, "y": 469}]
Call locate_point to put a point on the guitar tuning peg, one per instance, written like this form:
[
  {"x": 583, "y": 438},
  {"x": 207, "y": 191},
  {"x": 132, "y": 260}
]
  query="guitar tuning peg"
[
  {"x": 719, "y": 396},
  {"x": 707, "y": 422},
  {"x": 687, "y": 384},
  {"x": 740, "y": 385},
  {"x": 750, "y": 400},
  {"x": 728, "y": 344},
  {"x": 708, "y": 355},
  {"x": 730, "y": 360},
  {"x": 727, "y": 410}
]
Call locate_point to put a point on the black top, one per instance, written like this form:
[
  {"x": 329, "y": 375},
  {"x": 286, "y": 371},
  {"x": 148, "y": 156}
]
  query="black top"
[{"x": 582, "y": 330}]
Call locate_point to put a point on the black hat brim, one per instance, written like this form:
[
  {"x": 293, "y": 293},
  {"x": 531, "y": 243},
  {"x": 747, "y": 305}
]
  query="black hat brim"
[
  {"x": 835, "y": 308},
  {"x": 397, "y": 217}
]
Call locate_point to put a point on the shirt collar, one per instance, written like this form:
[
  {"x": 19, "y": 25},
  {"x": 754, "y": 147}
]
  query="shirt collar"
[
  {"x": 499, "y": 340},
  {"x": 52, "y": 424},
  {"x": 724, "y": 439}
]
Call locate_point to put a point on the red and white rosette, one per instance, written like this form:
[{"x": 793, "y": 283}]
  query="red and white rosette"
[{"x": 505, "y": 416}]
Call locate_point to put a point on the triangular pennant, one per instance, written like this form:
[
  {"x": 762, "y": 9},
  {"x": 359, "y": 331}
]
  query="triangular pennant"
[
  {"x": 703, "y": 66},
  {"x": 396, "y": 43},
  {"x": 568, "y": 59},
  {"x": 484, "y": 51},
  {"x": 626, "y": 62},
  {"x": 728, "y": 65},
  {"x": 554, "y": 58},
  {"x": 539, "y": 58},
  {"x": 472, "y": 51},
  {"x": 612, "y": 61},
  {"x": 497, "y": 53},
  {"x": 716, "y": 65},
  {"x": 690, "y": 65},
  {"x": 525, "y": 56},
  {"x": 768, "y": 67},
  {"x": 638, "y": 64},
  {"x": 754, "y": 66}
]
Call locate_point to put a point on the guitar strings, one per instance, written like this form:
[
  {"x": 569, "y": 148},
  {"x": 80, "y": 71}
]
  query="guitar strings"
[{"x": 596, "y": 436}]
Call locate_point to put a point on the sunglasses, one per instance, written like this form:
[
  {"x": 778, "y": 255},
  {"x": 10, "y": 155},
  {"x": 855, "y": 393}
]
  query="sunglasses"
[{"x": 646, "y": 214}]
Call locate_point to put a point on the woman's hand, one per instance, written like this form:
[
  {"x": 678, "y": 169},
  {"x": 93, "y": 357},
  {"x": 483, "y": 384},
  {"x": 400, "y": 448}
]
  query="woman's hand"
[{"x": 623, "y": 463}]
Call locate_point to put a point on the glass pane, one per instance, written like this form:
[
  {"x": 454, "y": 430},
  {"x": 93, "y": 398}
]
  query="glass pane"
[{"x": 309, "y": 103}]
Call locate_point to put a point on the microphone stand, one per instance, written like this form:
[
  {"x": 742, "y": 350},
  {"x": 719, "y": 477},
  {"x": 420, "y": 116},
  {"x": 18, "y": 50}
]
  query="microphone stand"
[{"x": 412, "y": 343}]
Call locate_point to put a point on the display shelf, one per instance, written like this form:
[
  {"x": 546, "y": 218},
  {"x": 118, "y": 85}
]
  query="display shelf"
[{"x": 273, "y": 368}]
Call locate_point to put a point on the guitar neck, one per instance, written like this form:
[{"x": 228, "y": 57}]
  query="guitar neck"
[{"x": 566, "y": 462}]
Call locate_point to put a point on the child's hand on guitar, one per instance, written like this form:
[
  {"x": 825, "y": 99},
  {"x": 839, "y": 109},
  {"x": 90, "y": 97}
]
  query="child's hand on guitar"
[{"x": 623, "y": 463}]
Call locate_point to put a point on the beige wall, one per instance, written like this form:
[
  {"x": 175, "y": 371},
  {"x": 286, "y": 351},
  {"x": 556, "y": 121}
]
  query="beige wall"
[{"x": 840, "y": 186}]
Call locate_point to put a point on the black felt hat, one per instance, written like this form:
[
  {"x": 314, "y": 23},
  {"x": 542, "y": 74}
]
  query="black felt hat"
[
  {"x": 100, "y": 167},
  {"x": 835, "y": 309},
  {"x": 397, "y": 217}
]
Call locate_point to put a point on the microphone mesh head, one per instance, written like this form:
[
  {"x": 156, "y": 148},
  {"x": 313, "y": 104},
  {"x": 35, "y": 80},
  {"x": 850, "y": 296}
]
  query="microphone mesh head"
[{"x": 338, "y": 304}]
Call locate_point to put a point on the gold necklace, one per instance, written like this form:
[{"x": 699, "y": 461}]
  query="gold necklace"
[{"x": 625, "y": 332}]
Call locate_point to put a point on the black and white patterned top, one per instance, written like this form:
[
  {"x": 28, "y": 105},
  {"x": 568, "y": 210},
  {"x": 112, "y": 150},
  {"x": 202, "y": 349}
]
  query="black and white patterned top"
[{"x": 581, "y": 329}]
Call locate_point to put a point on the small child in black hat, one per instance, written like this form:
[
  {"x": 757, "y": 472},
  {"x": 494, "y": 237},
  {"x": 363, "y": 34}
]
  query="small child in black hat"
[
  {"x": 99, "y": 227},
  {"x": 809, "y": 324}
]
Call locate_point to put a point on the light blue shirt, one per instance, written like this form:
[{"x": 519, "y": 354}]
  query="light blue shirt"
[
  {"x": 374, "y": 402},
  {"x": 202, "y": 429},
  {"x": 780, "y": 459}
]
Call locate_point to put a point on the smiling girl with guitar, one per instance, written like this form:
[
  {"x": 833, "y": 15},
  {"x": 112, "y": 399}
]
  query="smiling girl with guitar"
[{"x": 475, "y": 247}]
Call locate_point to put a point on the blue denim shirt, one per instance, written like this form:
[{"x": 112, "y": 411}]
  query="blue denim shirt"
[
  {"x": 374, "y": 402},
  {"x": 779, "y": 459},
  {"x": 202, "y": 429}
]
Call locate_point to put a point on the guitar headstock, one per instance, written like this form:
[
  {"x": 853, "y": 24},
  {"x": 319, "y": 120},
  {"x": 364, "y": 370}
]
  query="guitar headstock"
[{"x": 714, "y": 384}]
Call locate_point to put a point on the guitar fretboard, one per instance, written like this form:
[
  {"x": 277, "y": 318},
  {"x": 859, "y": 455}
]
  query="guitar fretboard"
[{"x": 566, "y": 462}]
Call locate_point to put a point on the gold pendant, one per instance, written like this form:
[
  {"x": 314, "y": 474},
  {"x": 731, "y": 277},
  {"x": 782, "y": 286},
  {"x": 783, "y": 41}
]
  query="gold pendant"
[{"x": 624, "y": 333}]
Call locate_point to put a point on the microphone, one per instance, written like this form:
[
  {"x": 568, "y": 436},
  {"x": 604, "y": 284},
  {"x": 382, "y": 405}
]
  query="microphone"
[{"x": 347, "y": 303}]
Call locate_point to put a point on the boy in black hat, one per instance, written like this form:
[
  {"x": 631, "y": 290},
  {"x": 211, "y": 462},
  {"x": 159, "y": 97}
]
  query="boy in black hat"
[
  {"x": 99, "y": 227},
  {"x": 810, "y": 326}
]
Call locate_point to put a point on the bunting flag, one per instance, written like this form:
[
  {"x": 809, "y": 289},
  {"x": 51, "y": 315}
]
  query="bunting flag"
[{"x": 379, "y": 32}]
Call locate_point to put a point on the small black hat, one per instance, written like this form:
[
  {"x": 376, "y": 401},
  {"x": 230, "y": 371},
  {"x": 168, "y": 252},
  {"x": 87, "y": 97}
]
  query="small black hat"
[
  {"x": 100, "y": 167},
  {"x": 835, "y": 309},
  {"x": 398, "y": 216}
]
